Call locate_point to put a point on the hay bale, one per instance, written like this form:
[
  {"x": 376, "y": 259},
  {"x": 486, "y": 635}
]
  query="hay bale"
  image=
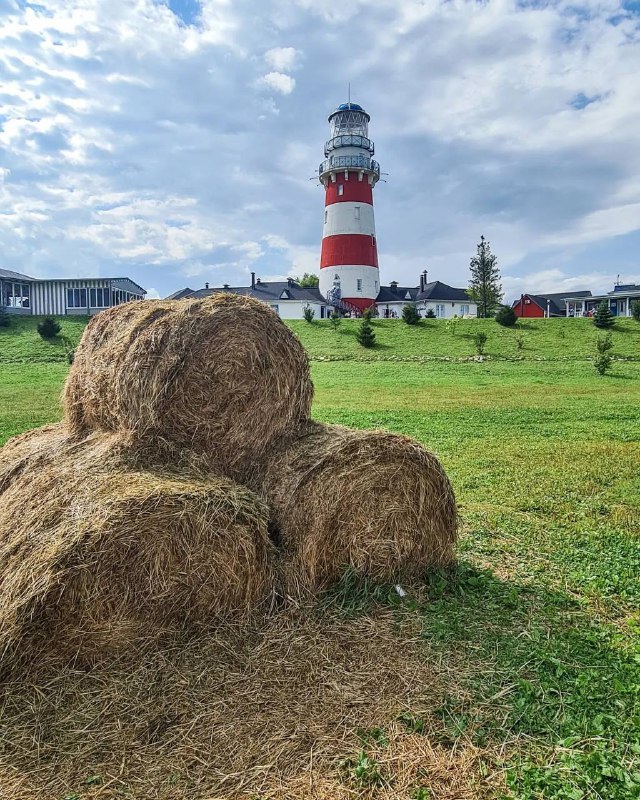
[
  {"x": 223, "y": 377},
  {"x": 93, "y": 557},
  {"x": 377, "y": 502}
]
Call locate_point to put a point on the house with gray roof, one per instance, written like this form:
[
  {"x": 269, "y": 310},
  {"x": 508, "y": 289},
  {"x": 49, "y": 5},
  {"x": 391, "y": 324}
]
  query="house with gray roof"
[
  {"x": 445, "y": 301},
  {"x": 287, "y": 298}
]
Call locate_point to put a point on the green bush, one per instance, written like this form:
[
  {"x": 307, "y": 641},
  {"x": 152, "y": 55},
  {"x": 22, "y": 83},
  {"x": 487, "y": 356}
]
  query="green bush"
[
  {"x": 603, "y": 318},
  {"x": 410, "y": 314},
  {"x": 635, "y": 310},
  {"x": 48, "y": 328},
  {"x": 365, "y": 336},
  {"x": 506, "y": 316},
  {"x": 430, "y": 314},
  {"x": 480, "y": 339},
  {"x": 336, "y": 319},
  {"x": 308, "y": 313}
]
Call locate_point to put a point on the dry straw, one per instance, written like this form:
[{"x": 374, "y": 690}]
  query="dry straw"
[
  {"x": 377, "y": 502},
  {"x": 271, "y": 711},
  {"x": 94, "y": 556},
  {"x": 222, "y": 377}
]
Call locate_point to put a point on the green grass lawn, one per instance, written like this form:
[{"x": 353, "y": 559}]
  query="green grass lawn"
[{"x": 537, "y": 639}]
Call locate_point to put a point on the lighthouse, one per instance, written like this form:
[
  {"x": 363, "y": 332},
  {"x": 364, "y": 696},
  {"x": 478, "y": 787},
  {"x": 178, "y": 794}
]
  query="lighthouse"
[{"x": 349, "y": 260}]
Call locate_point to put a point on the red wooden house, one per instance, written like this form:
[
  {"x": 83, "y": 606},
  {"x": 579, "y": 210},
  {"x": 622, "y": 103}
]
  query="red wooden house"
[{"x": 544, "y": 305}]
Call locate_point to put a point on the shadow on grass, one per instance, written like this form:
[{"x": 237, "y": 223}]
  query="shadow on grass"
[{"x": 527, "y": 666}]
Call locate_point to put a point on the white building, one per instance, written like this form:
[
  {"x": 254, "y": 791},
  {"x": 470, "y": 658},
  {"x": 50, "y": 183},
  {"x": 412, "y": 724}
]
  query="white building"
[
  {"x": 445, "y": 301},
  {"x": 20, "y": 294},
  {"x": 287, "y": 298}
]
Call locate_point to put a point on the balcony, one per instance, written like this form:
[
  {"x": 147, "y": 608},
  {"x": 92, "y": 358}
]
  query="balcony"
[
  {"x": 337, "y": 163},
  {"x": 348, "y": 141}
]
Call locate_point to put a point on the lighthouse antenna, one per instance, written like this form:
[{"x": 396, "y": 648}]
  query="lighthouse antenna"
[{"x": 349, "y": 94}]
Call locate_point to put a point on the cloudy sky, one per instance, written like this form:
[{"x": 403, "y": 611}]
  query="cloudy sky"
[{"x": 175, "y": 142}]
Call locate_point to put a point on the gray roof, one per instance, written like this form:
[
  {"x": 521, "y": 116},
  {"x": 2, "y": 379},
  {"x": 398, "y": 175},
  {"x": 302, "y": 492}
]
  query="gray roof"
[
  {"x": 556, "y": 301},
  {"x": 436, "y": 290},
  {"x": 268, "y": 291},
  {"x": 16, "y": 276}
]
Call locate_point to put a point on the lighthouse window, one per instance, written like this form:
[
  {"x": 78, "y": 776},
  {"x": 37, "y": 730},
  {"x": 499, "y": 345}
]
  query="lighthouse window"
[
  {"x": 357, "y": 212},
  {"x": 340, "y": 190},
  {"x": 359, "y": 284},
  {"x": 326, "y": 216}
]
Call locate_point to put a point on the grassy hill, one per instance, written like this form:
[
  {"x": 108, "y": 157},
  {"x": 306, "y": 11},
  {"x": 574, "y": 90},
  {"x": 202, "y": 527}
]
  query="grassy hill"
[
  {"x": 553, "y": 339},
  {"x": 535, "y": 644}
]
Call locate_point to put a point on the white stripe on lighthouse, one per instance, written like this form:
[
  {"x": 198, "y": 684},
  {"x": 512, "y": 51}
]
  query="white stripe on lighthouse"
[{"x": 348, "y": 218}]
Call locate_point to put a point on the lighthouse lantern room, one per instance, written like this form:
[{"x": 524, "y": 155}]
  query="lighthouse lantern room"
[{"x": 349, "y": 262}]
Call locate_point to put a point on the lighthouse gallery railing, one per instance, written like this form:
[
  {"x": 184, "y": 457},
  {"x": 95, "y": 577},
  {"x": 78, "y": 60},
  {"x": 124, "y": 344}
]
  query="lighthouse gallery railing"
[{"x": 355, "y": 162}]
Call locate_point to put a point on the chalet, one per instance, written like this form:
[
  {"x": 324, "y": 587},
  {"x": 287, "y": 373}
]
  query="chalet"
[
  {"x": 287, "y": 298},
  {"x": 545, "y": 305},
  {"x": 20, "y": 294},
  {"x": 445, "y": 301}
]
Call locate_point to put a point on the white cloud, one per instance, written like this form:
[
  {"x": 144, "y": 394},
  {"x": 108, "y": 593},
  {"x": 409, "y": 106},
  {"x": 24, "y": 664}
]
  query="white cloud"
[
  {"x": 279, "y": 82},
  {"x": 282, "y": 59}
]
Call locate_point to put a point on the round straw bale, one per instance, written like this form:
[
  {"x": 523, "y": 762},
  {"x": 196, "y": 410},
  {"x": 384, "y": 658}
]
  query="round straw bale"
[
  {"x": 28, "y": 449},
  {"x": 377, "y": 502},
  {"x": 94, "y": 560},
  {"x": 221, "y": 376}
]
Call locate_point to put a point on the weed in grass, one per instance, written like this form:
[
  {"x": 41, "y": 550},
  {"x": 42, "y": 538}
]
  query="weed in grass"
[
  {"x": 373, "y": 737},
  {"x": 421, "y": 793},
  {"x": 412, "y": 723},
  {"x": 363, "y": 771}
]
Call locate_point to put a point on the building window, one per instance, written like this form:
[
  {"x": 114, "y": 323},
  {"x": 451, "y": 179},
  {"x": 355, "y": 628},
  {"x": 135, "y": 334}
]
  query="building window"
[
  {"x": 356, "y": 211},
  {"x": 99, "y": 298},
  {"x": 76, "y": 298},
  {"x": 326, "y": 216},
  {"x": 16, "y": 295},
  {"x": 359, "y": 284},
  {"x": 340, "y": 190},
  {"x": 439, "y": 309},
  {"x": 464, "y": 309}
]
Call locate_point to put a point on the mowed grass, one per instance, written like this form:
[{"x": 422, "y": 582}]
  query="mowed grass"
[{"x": 536, "y": 637}]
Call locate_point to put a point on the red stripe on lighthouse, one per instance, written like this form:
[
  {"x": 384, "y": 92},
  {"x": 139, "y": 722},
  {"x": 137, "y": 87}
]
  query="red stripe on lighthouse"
[
  {"x": 349, "y": 248},
  {"x": 353, "y": 190}
]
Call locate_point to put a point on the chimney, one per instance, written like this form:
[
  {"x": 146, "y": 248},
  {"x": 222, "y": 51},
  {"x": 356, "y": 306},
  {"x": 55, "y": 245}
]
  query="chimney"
[
  {"x": 422, "y": 281},
  {"x": 253, "y": 280},
  {"x": 426, "y": 278},
  {"x": 394, "y": 286},
  {"x": 206, "y": 286},
  {"x": 226, "y": 286},
  {"x": 290, "y": 282},
  {"x": 258, "y": 281}
]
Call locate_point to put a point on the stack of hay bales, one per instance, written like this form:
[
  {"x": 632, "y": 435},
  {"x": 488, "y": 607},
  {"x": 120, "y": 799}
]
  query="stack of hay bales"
[{"x": 187, "y": 481}]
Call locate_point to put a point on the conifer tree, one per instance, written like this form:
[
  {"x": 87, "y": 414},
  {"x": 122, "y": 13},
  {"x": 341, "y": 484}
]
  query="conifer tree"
[
  {"x": 410, "y": 314},
  {"x": 603, "y": 318},
  {"x": 485, "y": 288},
  {"x": 366, "y": 336}
]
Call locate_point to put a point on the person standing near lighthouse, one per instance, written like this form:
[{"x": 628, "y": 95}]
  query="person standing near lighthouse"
[{"x": 349, "y": 260}]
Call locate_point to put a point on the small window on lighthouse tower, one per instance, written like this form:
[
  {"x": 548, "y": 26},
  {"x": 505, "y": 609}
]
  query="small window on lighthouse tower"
[
  {"x": 359, "y": 284},
  {"x": 326, "y": 216},
  {"x": 357, "y": 212},
  {"x": 340, "y": 190}
]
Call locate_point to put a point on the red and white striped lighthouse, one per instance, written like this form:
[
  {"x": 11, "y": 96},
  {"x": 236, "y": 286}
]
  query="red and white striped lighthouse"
[{"x": 349, "y": 261}]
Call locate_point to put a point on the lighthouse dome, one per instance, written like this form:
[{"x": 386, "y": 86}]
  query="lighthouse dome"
[{"x": 349, "y": 107}]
